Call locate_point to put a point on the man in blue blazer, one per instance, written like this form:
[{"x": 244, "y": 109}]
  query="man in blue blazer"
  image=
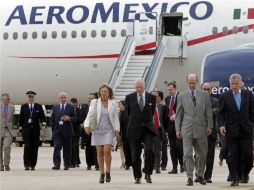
[{"x": 63, "y": 115}]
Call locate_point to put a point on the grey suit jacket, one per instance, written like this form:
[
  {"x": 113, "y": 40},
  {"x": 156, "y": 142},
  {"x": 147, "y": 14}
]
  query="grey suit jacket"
[
  {"x": 8, "y": 122},
  {"x": 193, "y": 120}
]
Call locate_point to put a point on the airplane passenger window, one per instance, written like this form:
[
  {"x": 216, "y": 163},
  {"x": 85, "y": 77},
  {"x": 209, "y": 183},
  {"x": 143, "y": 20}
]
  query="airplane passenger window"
[
  {"x": 74, "y": 34},
  {"x": 6, "y": 36},
  {"x": 54, "y": 34},
  {"x": 225, "y": 30},
  {"x": 123, "y": 33},
  {"x": 215, "y": 30},
  {"x": 15, "y": 35},
  {"x": 113, "y": 33},
  {"x": 24, "y": 35},
  {"x": 245, "y": 29},
  {"x": 34, "y": 35},
  {"x": 83, "y": 34},
  {"x": 44, "y": 35},
  {"x": 235, "y": 30},
  {"x": 64, "y": 34},
  {"x": 93, "y": 33},
  {"x": 103, "y": 33}
]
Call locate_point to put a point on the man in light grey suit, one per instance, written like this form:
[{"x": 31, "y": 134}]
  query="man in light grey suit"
[
  {"x": 194, "y": 121},
  {"x": 6, "y": 134}
]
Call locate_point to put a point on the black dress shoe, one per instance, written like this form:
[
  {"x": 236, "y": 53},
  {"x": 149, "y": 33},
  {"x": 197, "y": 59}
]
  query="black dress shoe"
[
  {"x": 229, "y": 178},
  {"x": 102, "y": 178},
  {"x": 26, "y": 168},
  {"x": 234, "y": 183},
  {"x": 189, "y": 182},
  {"x": 158, "y": 171},
  {"x": 200, "y": 180},
  {"x": 97, "y": 168},
  {"x": 208, "y": 181},
  {"x": 245, "y": 179},
  {"x": 127, "y": 167},
  {"x": 148, "y": 178},
  {"x": 163, "y": 168},
  {"x": 32, "y": 168},
  {"x": 108, "y": 177},
  {"x": 66, "y": 168},
  {"x": 55, "y": 168},
  {"x": 182, "y": 169},
  {"x": 88, "y": 168},
  {"x": 138, "y": 181},
  {"x": 174, "y": 171}
]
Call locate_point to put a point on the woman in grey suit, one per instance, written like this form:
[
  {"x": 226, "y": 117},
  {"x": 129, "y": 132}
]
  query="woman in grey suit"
[{"x": 107, "y": 127}]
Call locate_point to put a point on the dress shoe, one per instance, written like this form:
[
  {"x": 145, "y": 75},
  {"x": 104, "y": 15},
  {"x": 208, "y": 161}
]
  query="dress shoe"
[
  {"x": 55, "y": 168},
  {"x": 7, "y": 168},
  {"x": 200, "y": 180},
  {"x": 189, "y": 182},
  {"x": 27, "y": 168},
  {"x": 234, "y": 183},
  {"x": 138, "y": 181},
  {"x": 32, "y": 168},
  {"x": 127, "y": 167},
  {"x": 208, "y": 180},
  {"x": 2, "y": 168},
  {"x": 148, "y": 178},
  {"x": 88, "y": 168},
  {"x": 174, "y": 171},
  {"x": 66, "y": 168},
  {"x": 245, "y": 179},
  {"x": 102, "y": 178},
  {"x": 77, "y": 166},
  {"x": 97, "y": 168},
  {"x": 158, "y": 170},
  {"x": 108, "y": 177},
  {"x": 163, "y": 168},
  {"x": 229, "y": 178},
  {"x": 182, "y": 169}
]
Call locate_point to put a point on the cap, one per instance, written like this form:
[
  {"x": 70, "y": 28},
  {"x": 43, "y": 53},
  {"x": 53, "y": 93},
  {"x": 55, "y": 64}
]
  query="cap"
[{"x": 30, "y": 93}]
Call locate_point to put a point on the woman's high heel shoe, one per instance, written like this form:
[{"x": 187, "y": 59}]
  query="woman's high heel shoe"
[
  {"x": 102, "y": 178},
  {"x": 108, "y": 177}
]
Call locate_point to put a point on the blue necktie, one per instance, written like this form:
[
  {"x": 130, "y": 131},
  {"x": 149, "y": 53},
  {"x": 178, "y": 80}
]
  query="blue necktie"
[
  {"x": 193, "y": 97},
  {"x": 237, "y": 96},
  {"x": 5, "y": 111},
  {"x": 62, "y": 110}
]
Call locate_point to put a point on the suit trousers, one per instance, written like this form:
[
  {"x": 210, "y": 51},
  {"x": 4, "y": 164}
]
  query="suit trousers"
[
  {"x": 136, "y": 150},
  {"x": 157, "y": 149},
  {"x": 127, "y": 153},
  {"x": 31, "y": 146},
  {"x": 210, "y": 158},
  {"x": 75, "y": 160},
  {"x": 164, "y": 153},
  {"x": 240, "y": 153},
  {"x": 90, "y": 151},
  {"x": 5, "y": 147},
  {"x": 200, "y": 149},
  {"x": 60, "y": 142}
]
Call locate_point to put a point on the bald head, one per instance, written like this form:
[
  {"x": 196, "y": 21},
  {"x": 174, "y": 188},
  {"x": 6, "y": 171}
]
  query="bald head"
[
  {"x": 139, "y": 86},
  {"x": 192, "y": 81}
]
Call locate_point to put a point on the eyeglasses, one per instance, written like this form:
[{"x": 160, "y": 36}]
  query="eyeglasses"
[{"x": 207, "y": 89}]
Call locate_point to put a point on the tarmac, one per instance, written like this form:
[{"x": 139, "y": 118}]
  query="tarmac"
[{"x": 43, "y": 178}]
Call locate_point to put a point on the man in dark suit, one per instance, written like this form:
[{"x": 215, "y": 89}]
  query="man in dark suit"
[
  {"x": 140, "y": 107},
  {"x": 63, "y": 114},
  {"x": 211, "y": 139},
  {"x": 90, "y": 151},
  {"x": 158, "y": 119},
  {"x": 236, "y": 121},
  {"x": 31, "y": 116},
  {"x": 75, "y": 160},
  {"x": 176, "y": 145}
]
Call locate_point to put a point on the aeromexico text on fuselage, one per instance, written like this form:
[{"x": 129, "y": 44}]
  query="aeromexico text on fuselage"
[
  {"x": 222, "y": 89},
  {"x": 62, "y": 15}
]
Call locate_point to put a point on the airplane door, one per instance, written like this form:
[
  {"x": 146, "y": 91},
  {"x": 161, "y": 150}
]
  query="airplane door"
[{"x": 145, "y": 32}]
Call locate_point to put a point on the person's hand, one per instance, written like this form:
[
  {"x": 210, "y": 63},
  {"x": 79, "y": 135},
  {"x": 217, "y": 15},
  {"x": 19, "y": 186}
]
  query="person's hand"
[
  {"x": 178, "y": 134},
  {"x": 209, "y": 131},
  {"x": 66, "y": 118},
  {"x": 87, "y": 130},
  {"x": 172, "y": 118},
  {"x": 223, "y": 131}
]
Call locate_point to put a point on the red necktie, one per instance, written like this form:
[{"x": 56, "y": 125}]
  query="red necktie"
[
  {"x": 156, "y": 119},
  {"x": 171, "y": 107}
]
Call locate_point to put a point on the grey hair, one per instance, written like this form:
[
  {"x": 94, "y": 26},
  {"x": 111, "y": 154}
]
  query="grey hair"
[
  {"x": 192, "y": 76},
  {"x": 5, "y": 95},
  {"x": 139, "y": 80},
  {"x": 235, "y": 76},
  {"x": 62, "y": 93}
]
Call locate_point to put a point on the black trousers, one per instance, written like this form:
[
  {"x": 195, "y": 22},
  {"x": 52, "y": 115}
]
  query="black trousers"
[
  {"x": 127, "y": 153},
  {"x": 75, "y": 160},
  {"x": 60, "y": 142},
  {"x": 210, "y": 158},
  {"x": 91, "y": 154},
  {"x": 31, "y": 146},
  {"x": 176, "y": 146},
  {"x": 240, "y": 154},
  {"x": 157, "y": 149},
  {"x": 164, "y": 153},
  {"x": 136, "y": 150}
]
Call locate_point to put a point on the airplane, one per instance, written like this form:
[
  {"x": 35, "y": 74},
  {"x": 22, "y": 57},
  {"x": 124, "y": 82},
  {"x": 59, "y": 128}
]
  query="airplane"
[{"x": 73, "y": 46}]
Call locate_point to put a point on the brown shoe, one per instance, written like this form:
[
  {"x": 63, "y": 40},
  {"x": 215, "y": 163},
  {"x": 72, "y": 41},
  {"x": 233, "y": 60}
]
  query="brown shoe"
[
  {"x": 2, "y": 168},
  {"x": 7, "y": 168}
]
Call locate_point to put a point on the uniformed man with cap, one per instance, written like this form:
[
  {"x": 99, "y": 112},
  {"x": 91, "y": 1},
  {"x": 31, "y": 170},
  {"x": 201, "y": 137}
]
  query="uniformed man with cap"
[{"x": 31, "y": 116}]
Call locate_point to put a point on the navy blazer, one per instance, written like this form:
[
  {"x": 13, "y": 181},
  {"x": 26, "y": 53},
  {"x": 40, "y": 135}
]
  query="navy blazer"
[
  {"x": 238, "y": 123},
  {"x": 66, "y": 129}
]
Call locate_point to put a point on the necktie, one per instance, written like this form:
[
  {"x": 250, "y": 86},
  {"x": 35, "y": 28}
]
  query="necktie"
[
  {"x": 156, "y": 119},
  {"x": 141, "y": 102},
  {"x": 5, "y": 111},
  {"x": 31, "y": 108},
  {"x": 193, "y": 97},
  {"x": 171, "y": 106},
  {"x": 237, "y": 96},
  {"x": 62, "y": 110}
]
